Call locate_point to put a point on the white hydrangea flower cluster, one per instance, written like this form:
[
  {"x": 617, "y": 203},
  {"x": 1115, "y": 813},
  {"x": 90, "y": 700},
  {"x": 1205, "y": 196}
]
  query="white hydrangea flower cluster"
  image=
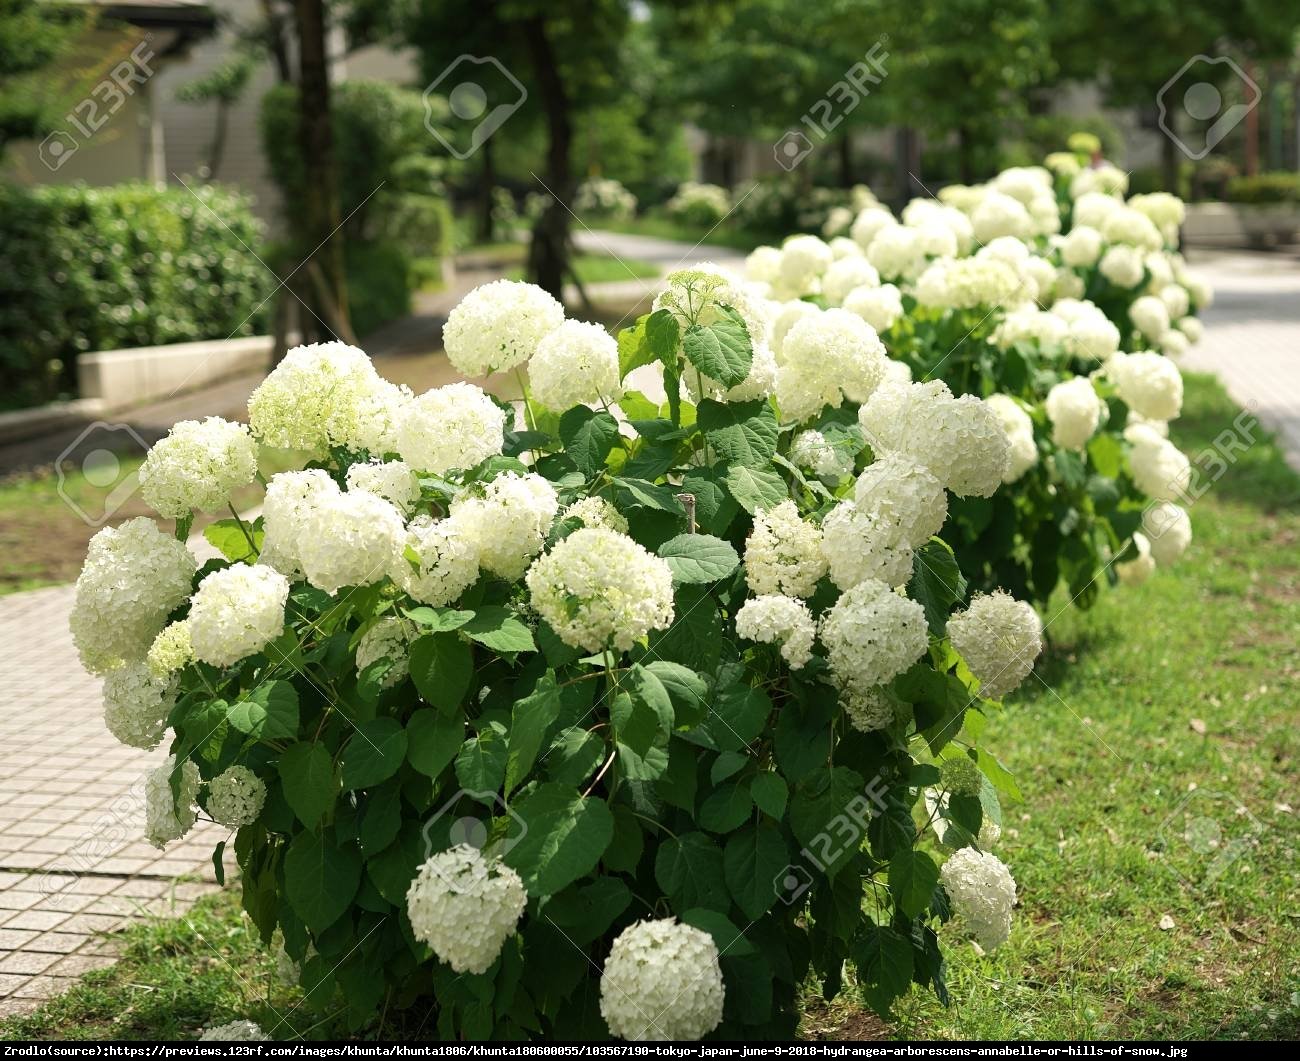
[
  {"x": 1150, "y": 316},
  {"x": 1123, "y": 265},
  {"x": 803, "y": 261},
  {"x": 197, "y": 467},
  {"x": 1090, "y": 333},
  {"x": 1074, "y": 409},
  {"x": 776, "y": 619},
  {"x": 451, "y": 427},
  {"x": 826, "y": 358},
  {"x": 1104, "y": 181},
  {"x": 998, "y": 214},
  {"x": 868, "y": 709},
  {"x": 898, "y": 252},
  {"x": 1080, "y": 248},
  {"x": 999, "y": 637},
  {"x": 786, "y": 317},
  {"x": 1141, "y": 567},
  {"x": 869, "y": 222},
  {"x": 1132, "y": 227},
  {"x": 237, "y": 611},
  {"x": 289, "y": 496},
  {"x": 168, "y": 818},
  {"x": 498, "y": 326},
  {"x": 1149, "y": 384},
  {"x": 136, "y": 704},
  {"x": 577, "y": 364},
  {"x": 1160, "y": 470},
  {"x": 599, "y": 588},
  {"x": 438, "y": 560},
  {"x": 237, "y": 1031},
  {"x": 465, "y": 907},
  {"x": 903, "y": 499},
  {"x": 983, "y": 894},
  {"x": 960, "y": 440},
  {"x": 596, "y": 512},
  {"x": 783, "y": 554},
  {"x": 236, "y": 796},
  {"x": 1019, "y": 427},
  {"x": 1169, "y": 530},
  {"x": 386, "y": 640},
  {"x": 324, "y": 395},
  {"x": 662, "y": 981},
  {"x": 846, "y": 275},
  {"x": 171, "y": 649},
  {"x": 965, "y": 283},
  {"x": 872, "y": 634},
  {"x": 507, "y": 526},
  {"x": 881, "y": 307},
  {"x": 134, "y": 575},
  {"x": 814, "y": 452},
  {"x": 1029, "y": 324},
  {"x": 348, "y": 539},
  {"x": 394, "y": 481},
  {"x": 857, "y": 549}
]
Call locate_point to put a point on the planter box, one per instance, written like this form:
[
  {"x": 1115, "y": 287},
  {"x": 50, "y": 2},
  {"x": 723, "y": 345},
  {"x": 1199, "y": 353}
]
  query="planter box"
[
  {"x": 1241, "y": 224},
  {"x": 118, "y": 379}
]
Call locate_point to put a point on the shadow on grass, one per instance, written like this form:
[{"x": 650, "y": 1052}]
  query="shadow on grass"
[{"x": 1212, "y": 425}]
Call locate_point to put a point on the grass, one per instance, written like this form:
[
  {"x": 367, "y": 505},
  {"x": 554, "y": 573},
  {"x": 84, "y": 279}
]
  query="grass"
[
  {"x": 662, "y": 227},
  {"x": 1169, "y": 704},
  {"x": 602, "y": 268}
]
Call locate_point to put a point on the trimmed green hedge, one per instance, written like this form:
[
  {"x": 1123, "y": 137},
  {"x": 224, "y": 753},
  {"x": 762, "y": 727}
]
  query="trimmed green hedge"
[
  {"x": 127, "y": 265},
  {"x": 1278, "y": 187}
]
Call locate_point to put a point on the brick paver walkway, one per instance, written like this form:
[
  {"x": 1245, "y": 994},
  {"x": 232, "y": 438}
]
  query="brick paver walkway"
[{"x": 72, "y": 863}]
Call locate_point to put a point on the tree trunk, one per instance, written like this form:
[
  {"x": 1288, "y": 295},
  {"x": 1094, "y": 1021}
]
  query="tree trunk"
[
  {"x": 1251, "y": 129},
  {"x": 487, "y": 185},
  {"x": 548, "y": 253},
  {"x": 319, "y": 241},
  {"x": 1169, "y": 158},
  {"x": 907, "y": 163},
  {"x": 275, "y": 41},
  {"x": 218, "y": 146}
]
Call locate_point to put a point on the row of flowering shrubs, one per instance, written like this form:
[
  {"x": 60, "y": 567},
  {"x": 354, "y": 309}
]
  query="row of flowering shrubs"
[
  {"x": 1047, "y": 293},
  {"x": 621, "y": 712}
]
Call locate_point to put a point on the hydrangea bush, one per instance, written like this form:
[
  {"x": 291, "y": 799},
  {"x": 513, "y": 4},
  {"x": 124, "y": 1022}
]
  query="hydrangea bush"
[
  {"x": 623, "y": 712},
  {"x": 1061, "y": 304}
]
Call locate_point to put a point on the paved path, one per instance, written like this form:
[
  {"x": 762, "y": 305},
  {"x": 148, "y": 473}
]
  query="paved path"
[
  {"x": 72, "y": 864},
  {"x": 1252, "y": 337}
]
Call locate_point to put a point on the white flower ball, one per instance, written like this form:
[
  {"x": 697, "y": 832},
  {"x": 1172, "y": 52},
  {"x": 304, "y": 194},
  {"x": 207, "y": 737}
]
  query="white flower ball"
[
  {"x": 349, "y": 539},
  {"x": 1069, "y": 284},
  {"x": 858, "y": 547},
  {"x": 1174, "y": 343},
  {"x": 868, "y": 710},
  {"x": 1176, "y": 300},
  {"x": 599, "y": 588},
  {"x": 897, "y": 253},
  {"x": 1020, "y": 434},
  {"x": 438, "y": 561},
  {"x": 872, "y": 634},
  {"x": 1149, "y": 316},
  {"x": 499, "y": 326},
  {"x": 868, "y": 224},
  {"x": 171, "y": 650},
  {"x": 827, "y": 358},
  {"x": 1081, "y": 247},
  {"x": 662, "y": 982},
  {"x": 133, "y": 576},
  {"x": 1132, "y": 227},
  {"x": 783, "y": 553},
  {"x": 789, "y": 314},
  {"x": 237, "y": 1031},
  {"x": 577, "y": 364},
  {"x": 235, "y": 797},
  {"x": 394, "y": 481},
  {"x": 775, "y": 619},
  {"x": 1000, "y": 215},
  {"x": 965, "y": 283},
  {"x": 1159, "y": 469},
  {"x": 507, "y": 526},
  {"x": 386, "y": 640},
  {"x": 1075, "y": 411},
  {"x": 764, "y": 265},
  {"x": 1192, "y": 328},
  {"x": 878, "y": 306},
  {"x": 451, "y": 427},
  {"x": 813, "y": 452},
  {"x": 1029, "y": 324},
  {"x": 465, "y": 907},
  {"x": 168, "y": 818},
  {"x": 1150, "y": 384},
  {"x": 136, "y": 705},
  {"x": 596, "y": 512},
  {"x": 1136, "y": 571},
  {"x": 844, "y": 247},
  {"x": 903, "y": 498},
  {"x": 1091, "y": 208},
  {"x": 1169, "y": 530},
  {"x": 322, "y": 395},
  {"x": 1091, "y": 334},
  {"x": 1123, "y": 266},
  {"x": 289, "y": 497},
  {"x": 844, "y": 276},
  {"x": 983, "y": 894},
  {"x": 197, "y": 467},
  {"x": 1000, "y": 638},
  {"x": 237, "y": 611},
  {"x": 803, "y": 261}
]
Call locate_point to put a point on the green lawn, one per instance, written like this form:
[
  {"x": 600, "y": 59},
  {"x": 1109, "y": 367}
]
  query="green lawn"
[
  {"x": 1166, "y": 706},
  {"x": 656, "y": 224},
  {"x": 602, "y": 268}
]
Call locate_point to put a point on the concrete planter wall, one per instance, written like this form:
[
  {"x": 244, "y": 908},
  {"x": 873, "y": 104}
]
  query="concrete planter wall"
[
  {"x": 1241, "y": 224},
  {"x": 119, "y": 379}
]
